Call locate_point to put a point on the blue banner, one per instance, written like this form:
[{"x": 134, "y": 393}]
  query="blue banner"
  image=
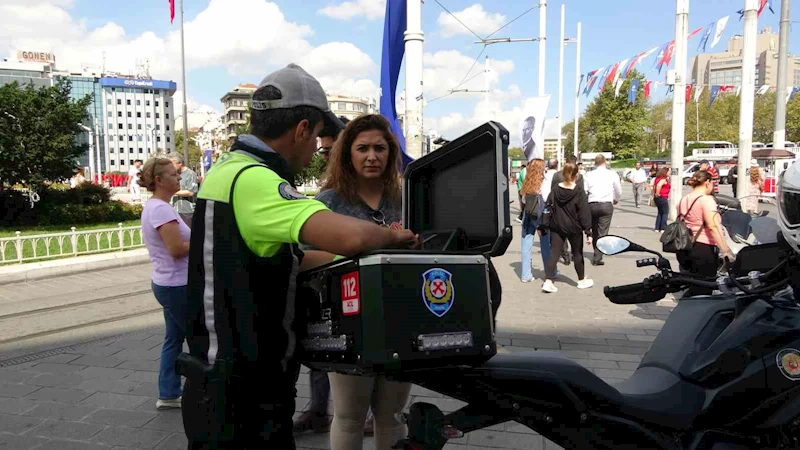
[
  {"x": 713, "y": 94},
  {"x": 137, "y": 83},
  {"x": 394, "y": 47},
  {"x": 207, "y": 154},
  {"x": 634, "y": 89}
]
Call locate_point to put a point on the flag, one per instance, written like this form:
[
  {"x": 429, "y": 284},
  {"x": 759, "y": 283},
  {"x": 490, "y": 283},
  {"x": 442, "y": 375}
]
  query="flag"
[
  {"x": 794, "y": 92},
  {"x": 647, "y": 85},
  {"x": 620, "y": 70},
  {"x": 394, "y": 27},
  {"x": 580, "y": 82},
  {"x": 695, "y": 32},
  {"x": 698, "y": 92},
  {"x": 171, "y": 10},
  {"x": 689, "y": 92},
  {"x": 704, "y": 40},
  {"x": 763, "y": 4},
  {"x": 714, "y": 92},
  {"x": 617, "y": 86},
  {"x": 612, "y": 74},
  {"x": 660, "y": 55},
  {"x": 763, "y": 89},
  {"x": 604, "y": 77},
  {"x": 637, "y": 59},
  {"x": 533, "y": 116},
  {"x": 720, "y": 28},
  {"x": 667, "y": 56},
  {"x": 591, "y": 77},
  {"x": 633, "y": 90}
]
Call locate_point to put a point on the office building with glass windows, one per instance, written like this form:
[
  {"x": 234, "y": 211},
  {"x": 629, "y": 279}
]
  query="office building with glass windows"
[
  {"x": 83, "y": 85},
  {"x": 138, "y": 120}
]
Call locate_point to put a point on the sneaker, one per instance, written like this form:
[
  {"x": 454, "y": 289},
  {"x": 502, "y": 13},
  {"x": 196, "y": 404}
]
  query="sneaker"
[
  {"x": 169, "y": 404},
  {"x": 527, "y": 280},
  {"x": 309, "y": 421},
  {"x": 518, "y": 220},
  {"x": 585, "y": 283},
  {"x": 548, "y": 286}
]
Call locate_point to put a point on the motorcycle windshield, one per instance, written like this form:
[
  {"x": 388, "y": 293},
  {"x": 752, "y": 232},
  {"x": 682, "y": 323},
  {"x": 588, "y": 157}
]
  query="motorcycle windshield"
[
  {"x": 737, "y": 223},
  {"x": 765, "y": 229}
]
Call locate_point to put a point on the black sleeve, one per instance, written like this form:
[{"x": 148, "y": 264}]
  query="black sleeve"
[{"x": 584, "y": 214}]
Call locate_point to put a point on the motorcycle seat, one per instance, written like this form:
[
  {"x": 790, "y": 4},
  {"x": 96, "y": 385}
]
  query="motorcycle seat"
[{"x": 652, "y": 394}]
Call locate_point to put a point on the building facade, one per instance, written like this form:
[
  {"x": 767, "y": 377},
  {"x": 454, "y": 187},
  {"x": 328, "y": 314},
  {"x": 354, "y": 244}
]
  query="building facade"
[
  {"x": 236, "y": 104},
  {"x": 138, "y": 120},
  {"x": 83, "y": 85},
  {"x": 725, "y": 68},
  {"x": 351, "y": 107}
]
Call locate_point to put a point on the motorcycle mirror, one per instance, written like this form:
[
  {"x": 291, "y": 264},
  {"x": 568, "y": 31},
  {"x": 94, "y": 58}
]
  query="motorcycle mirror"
[{"x": 613, "y": 245}]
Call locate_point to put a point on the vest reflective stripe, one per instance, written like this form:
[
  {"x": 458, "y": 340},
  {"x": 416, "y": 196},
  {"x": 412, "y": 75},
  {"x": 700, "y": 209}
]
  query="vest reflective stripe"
[{"x": 208, "y": 288}]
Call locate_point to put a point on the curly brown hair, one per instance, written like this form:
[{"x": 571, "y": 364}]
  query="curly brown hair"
[
  {"x": 340, "y": 174},
  {"x": 534, "y": 176}
]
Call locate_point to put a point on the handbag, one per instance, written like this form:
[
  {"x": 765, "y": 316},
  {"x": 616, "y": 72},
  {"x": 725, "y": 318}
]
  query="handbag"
[
  {"x": 532, "y": 206},
  {"x": 677, "y": 236},
  {"x": 547, "y": 216}
]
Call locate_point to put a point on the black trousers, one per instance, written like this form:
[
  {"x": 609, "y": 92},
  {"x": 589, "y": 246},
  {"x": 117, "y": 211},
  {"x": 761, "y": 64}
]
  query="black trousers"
[
  {"x": 320, "y": 392},
  {"x": 700, "y": 260},
  {"x": 249, "y": 412},
  {"x": 601, "y": 223},
  {"x": 557, "y": 242}
]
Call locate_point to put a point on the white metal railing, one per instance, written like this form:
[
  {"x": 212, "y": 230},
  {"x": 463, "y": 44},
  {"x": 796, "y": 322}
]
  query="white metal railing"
[{"x": 26, "y": 248}]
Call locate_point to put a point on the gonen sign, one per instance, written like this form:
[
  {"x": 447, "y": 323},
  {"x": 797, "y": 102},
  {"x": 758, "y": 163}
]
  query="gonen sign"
[{"x": 39, "y": 57}]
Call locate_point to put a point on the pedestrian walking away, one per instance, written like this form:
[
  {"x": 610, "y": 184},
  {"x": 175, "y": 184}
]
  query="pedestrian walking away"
[
  {"x": 639, "y": 181},
  {"x": 604, "y": 191},
  {"x": 183, "y": 201}
]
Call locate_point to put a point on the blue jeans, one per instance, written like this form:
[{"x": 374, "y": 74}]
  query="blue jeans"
[
  {"x": 663, "y": 213},
  {"x": 174, "y": 301},
  {"x": 528, "y": 232}
]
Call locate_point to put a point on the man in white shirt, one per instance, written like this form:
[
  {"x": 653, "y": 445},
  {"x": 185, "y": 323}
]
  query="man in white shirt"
[
  {"x": 639, "y": 180},
  {"x": 547, "y": 184},
  {"x": 133, "y": 181},
  {"x": 604, "y": 191}
]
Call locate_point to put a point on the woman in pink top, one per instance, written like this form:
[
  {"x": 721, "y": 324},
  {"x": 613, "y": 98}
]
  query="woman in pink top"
[
  {"x": 699, "y": 211},
  {"x": 166, "y": 237},
  {"x": 661, "y": 188}
]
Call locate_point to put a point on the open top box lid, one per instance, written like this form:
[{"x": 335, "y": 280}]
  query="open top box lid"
[{"x": 463, "y": 185}]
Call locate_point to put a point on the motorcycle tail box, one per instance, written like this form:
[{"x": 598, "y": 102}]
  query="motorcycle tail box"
[{"x": 398, "y": 310}]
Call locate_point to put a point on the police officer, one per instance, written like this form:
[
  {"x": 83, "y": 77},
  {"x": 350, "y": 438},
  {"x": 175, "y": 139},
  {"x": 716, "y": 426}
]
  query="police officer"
[{"x": 249, "y": 219}]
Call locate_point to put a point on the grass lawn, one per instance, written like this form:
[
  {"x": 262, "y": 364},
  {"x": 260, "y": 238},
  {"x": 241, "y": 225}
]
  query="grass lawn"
[{"x": 54, "y": 248}]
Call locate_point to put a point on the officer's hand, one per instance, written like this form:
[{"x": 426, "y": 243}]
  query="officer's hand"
[{"x": 405, "y": 239}]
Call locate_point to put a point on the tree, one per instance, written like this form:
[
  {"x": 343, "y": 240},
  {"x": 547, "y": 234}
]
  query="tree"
[
  {"x": 38, "y": 130},
  {"x": 586, "y": 142},
  {"x": 515, "y": 153},
  {"x": 195, "y": 152},
  {"x": 313, "y": 172},
  {"x": 618, "y": 126}
]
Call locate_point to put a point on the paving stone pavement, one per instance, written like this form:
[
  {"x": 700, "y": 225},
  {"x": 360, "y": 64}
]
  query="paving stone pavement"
[{"x": 102, "y": 395}]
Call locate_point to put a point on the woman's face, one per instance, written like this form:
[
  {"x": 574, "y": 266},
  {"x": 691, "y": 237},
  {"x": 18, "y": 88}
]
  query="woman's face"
[
  {"x": 169, "y": 181},
  {"x": 370, "y": 154}
]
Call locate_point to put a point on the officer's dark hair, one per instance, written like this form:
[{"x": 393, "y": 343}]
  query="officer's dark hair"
[
  {"x": 331, "y": 131},
  {"x": 274, "y": 123}
]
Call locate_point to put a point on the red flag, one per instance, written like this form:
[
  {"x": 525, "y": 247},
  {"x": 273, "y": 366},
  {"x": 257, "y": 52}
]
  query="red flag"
[
  {"x": 688, "y": 92},
  {"x": 694, "y": 33},
  {"x": 665, "y": 60},
  {"x": 612, "y": 73},
  {"x": 171, "y": 10},
  {"x": 647, "y": 85}
]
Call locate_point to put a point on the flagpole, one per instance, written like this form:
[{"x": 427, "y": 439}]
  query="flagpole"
[
  {"x": 542, "y": 42},
  {"x": 561, "y": 44},
  {"x": 679, "y": 104},
  {"x": 577, "y": 91},
  {"x": 747, "y": 95},
  {"x": 779, "y": 137},
  {"x": 414, "y": 38},
  {"x": 183, "y": 85}
]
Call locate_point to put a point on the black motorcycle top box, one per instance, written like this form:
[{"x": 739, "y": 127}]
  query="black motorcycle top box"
[{"x": 397, "y": 310}]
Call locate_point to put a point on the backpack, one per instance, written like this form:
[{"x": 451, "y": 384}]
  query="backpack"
[
  {"x": 532, "y": 206},
  {"x": 677, "y": 236}
]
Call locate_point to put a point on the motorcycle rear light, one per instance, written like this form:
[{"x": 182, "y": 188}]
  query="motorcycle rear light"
[
  {"x": 326, "y": 344},
  {"x": 444, "y": 341}
]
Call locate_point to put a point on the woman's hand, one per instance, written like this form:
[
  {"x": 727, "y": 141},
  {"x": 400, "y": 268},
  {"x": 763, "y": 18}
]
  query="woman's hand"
[{"x": 588, "y": 239}]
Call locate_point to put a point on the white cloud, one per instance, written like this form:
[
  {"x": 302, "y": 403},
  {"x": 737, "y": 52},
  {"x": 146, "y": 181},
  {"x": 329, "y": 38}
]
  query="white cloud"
[
  {"x": 445, "y": 70},
  {"x": 248, "y": 45},
  {"x": 371, "y": 9},
  {"x": 475, "y": 17}
]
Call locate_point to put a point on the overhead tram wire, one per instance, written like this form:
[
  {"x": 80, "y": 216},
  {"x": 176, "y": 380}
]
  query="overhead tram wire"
[{"x": 464, "y": 79}]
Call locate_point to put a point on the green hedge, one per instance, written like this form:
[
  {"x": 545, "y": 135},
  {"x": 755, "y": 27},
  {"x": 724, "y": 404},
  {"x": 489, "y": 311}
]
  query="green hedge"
[{"x": 83, "y": 205}]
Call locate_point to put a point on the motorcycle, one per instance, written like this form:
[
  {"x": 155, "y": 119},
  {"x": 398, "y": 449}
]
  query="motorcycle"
[{"x": 722, "y": 374}]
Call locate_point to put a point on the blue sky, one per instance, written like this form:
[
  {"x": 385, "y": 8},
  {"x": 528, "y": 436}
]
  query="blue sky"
[{"x": 612, "y": 31}]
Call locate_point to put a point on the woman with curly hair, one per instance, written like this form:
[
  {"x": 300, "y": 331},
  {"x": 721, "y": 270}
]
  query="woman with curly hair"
[
  {"x": 363, "y": 180},
  {"x": 533, "y": 204}
]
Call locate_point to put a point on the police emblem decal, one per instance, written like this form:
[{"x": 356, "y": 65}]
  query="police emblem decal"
[
  {"x": 438, "y": 292},
  {"x": 788, "y": 361},
  {"x": 289, "y": 193}
]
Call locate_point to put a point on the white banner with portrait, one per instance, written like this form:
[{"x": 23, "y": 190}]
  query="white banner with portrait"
[{"x": 533, "y": 115}]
